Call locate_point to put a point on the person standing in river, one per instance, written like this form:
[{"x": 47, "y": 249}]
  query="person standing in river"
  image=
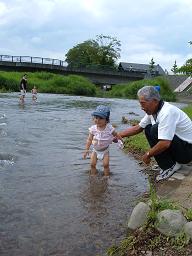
[
  {"x": 101, "y": 135},
  {"x": 168, "y": 131},
  {"x": 23, "y": 88},
  {"x": 34, "y": 93}
]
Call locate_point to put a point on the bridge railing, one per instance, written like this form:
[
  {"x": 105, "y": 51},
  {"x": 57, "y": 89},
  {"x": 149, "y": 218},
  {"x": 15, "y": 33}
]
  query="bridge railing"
[
  {"x": 59, "y": 64},
  {"x": 29, "y": 59}
]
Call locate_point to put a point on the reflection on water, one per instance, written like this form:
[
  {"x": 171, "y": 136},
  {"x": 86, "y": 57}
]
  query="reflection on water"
[{"x": 49, "y": 205}]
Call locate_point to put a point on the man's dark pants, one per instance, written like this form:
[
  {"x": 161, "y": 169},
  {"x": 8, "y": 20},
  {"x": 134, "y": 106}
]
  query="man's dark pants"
[{"x": 180, "y": 151}]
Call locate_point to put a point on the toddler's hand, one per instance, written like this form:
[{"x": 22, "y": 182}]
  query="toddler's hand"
[
  {"x": 115, "y": 140},
  {"x": 120, "y": 144}
]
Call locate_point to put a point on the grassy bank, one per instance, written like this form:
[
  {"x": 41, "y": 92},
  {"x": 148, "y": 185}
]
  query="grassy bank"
[
  {"x": 188, "y": 110},
  {"x": 48, "y": 83},
  {"x": 147, "y": 240},
  {"x": 78, "y": 85},
  {"x": 129, "y": 90}
]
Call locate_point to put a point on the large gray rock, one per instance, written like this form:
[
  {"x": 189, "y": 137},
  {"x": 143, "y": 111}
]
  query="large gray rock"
[
  {"x": 188, "y": 229},
  {"x": 138, "y": 216},
  {"x": 170, "y": 222}
]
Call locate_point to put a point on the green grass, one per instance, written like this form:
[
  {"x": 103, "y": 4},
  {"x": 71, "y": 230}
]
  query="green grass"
[
  {"x": 129, "y": 90},
  {"x": 148, "y": 233},
  {"x": 188, "y": 110},
  {"x": 48, "y": 83},
  {"x": 137, "y": 143}
]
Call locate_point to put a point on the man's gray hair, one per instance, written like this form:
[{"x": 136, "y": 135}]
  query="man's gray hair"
[{"x": 149, "y": 93}]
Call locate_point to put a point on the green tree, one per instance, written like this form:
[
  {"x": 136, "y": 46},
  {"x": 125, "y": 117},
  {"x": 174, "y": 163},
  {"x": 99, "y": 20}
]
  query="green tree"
[
  {"x": 151, "y": 65},
  {"x": 186, "y": 68},
  {"x": 104, "y": 50},
  {"x": 174, "y": 68}
]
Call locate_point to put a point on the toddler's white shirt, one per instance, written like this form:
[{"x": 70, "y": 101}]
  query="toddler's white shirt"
[{"x": 102, "y": 139}]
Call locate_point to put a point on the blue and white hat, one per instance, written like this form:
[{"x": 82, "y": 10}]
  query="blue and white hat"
[{"x": 102, "y": 111}]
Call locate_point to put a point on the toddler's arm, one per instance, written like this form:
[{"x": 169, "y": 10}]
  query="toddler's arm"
[{"x": 88, "y": 144}]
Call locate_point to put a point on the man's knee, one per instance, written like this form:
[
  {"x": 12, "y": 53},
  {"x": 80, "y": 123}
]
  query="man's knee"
[{"x": 151, "y": 131}]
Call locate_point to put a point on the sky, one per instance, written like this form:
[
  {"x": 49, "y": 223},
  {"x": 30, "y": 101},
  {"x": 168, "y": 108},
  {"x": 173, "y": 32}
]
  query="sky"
[{"x": 146, "y": 28}]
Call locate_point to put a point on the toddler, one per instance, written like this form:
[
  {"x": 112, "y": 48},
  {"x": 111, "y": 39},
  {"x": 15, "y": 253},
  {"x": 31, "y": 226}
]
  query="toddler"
[
  {"x": 34, "y": 93},
  {"x": 101, "y": 135}
]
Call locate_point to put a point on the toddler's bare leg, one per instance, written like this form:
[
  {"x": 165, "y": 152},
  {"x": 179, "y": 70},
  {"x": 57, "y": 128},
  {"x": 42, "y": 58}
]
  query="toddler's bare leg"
[
  {"x": 106, "y": 164},
  {"x": 22, "y": 99},
  {"x": 93, "y": 163}
]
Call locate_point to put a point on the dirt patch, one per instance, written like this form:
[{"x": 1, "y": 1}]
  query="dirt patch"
[
  {"x": 178, "y": 190},
  {"x": 152, "y": 243}
]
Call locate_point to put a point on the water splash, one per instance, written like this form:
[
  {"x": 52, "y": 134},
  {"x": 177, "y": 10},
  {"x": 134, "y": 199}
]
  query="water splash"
[{"x": 6, "y": 160}]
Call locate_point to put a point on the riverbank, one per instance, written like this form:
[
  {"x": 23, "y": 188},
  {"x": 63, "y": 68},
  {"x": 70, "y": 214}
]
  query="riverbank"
[
  {"x": 178, "y": 186},
  {"x": 47, "y": 82},
  {"x": 176, "y": 190}
]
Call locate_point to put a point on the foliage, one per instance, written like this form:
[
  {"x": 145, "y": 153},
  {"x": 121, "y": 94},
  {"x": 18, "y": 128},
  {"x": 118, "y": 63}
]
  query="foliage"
[
  {"x": 174, "y": 68},
  {"x": 180, "y": 241},
  {"x": 188, "y": 214},
  {"x": 137, "y": 143},
  {"x": 151, "y": 65},
  {"x": 157, "y": 205},
  {"x": 148, "y": 238},
  {"x": 186, "y": 68},
  {"x": 129, "y": 90},
  {"x": 152, "y": 215},
  {"x": 188, "y": 110},
  {"x": 44, "y": 75},
  {"x": 8, "y": 83},
  {"x": 104, "y": 51},
  {"x": 48, "y": 83},
  {"x": 127, "y": 243}
]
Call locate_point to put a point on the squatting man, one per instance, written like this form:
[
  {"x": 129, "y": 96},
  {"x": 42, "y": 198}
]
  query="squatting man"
[{"x": 168, "y": 131}]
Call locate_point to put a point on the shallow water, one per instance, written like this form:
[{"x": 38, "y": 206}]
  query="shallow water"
[{"x": 48, "y": 204}]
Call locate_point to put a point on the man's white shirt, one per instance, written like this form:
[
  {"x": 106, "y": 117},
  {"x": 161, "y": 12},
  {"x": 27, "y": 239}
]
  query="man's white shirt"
[{"x": 171, "y": 121}]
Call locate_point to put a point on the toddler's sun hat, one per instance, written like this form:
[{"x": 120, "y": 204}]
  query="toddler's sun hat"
[{"x": 101, "y": 111}]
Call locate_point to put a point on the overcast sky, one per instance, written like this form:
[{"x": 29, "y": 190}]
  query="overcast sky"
[{"x": 146, "y": 28}]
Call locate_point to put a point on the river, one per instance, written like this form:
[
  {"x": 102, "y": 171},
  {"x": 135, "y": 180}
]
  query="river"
[{"x": 48, "y": 204}]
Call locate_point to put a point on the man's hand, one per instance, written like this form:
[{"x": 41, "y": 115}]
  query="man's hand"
[
  {"x": 146, "y": 158},
  {"x": 117, "y": 137}
]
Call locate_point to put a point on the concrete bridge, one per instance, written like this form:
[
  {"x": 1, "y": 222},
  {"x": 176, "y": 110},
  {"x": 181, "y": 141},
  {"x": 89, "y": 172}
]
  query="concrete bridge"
[{"x": 99, "y": 76}]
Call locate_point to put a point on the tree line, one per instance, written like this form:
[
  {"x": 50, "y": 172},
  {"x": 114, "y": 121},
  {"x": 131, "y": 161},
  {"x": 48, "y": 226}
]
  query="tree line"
[{"x": 104, "y": 51}]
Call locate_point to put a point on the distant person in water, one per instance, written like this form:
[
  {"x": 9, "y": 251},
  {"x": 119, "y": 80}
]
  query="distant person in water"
[
  {"x": 34, "y": 93},
  {"x": 101, "y": 135},
  {"x": 23, "y": 88}
]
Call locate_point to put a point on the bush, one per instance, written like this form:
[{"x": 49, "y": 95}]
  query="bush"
[
  {"x": 129, "y": 90},
  {"x": 48, "y": 83}
]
